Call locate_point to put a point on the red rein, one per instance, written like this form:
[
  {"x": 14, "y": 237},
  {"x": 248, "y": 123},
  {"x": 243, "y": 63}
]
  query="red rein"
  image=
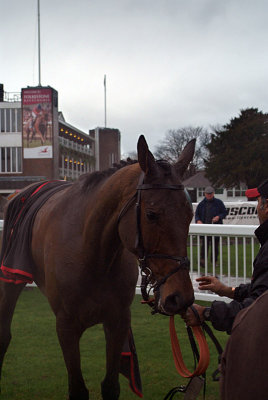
[{"x": 178, "y": 360}]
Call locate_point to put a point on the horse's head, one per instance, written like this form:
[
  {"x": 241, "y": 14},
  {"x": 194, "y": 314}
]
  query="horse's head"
[{"x": 163, "y": 214}]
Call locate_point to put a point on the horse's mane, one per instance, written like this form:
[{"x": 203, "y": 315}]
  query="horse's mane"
[{"x": 90, "y": 180}]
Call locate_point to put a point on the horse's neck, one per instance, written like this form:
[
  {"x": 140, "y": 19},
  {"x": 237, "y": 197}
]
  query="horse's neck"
[
  {"x": 101, "y": 229},
  {"x": 37, "y": 119}
]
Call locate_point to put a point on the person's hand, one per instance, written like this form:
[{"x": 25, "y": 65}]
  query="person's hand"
[
  {"x": 199, "y": 222},
  {"x": 215, "y": 219},
  {"x": 189, "y": 316},
  {"x": 214, "y": 285}
]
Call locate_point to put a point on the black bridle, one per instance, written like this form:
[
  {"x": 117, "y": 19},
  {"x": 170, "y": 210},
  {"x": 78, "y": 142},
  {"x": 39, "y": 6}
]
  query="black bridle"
[{"x": 143, "y": 256}]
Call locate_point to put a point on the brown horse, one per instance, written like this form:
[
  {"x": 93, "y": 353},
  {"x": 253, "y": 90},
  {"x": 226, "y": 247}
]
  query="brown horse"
[
  {"x": 40, "y": 127},
  {"x": 85, "y": 243},
  {"x": 37, "y": 127},
  {"x": 244, "y": 363}
]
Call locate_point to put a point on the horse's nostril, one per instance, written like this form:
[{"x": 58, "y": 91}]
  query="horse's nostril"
[
  {"x": 173, "y": 303},
  {"x": 176, "y": 303}
]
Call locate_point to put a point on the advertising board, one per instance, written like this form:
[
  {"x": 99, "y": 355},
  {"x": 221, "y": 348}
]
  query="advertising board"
[
  {"x": 239, "y": 213},
  {"x": 37, "y": 122}
]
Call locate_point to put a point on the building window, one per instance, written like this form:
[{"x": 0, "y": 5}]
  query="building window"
[
  {"x": 10, "y": 119},
  {"x": 218, "y": 191},
  {"x": 18, "y": 118},
  {"x": 201, "y": 192},
  {"x": 111, "y": 159},
  {"x": 236, "y": 192},
  {"x": 3, "y": 118},
  {"x": 10, "y": 159},
  {"x": 13, "y": 120},
  {"x": 239, "y": 192}
]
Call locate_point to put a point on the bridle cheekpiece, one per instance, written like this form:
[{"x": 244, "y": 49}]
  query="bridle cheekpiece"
[{"x": 147, "y": 277}]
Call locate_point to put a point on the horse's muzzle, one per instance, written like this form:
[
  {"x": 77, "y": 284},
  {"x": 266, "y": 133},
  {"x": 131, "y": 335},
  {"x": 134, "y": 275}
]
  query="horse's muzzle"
[{"x": 174, "y": 303}]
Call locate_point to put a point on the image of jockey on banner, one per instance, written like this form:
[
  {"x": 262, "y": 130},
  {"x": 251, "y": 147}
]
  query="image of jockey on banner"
[
  {"x": 37, "y": 123},
  {"x": 37, "y": 111}
]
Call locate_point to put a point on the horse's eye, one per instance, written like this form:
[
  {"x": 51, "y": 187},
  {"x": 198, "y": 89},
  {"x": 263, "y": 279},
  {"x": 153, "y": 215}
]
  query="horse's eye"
[{"x": 152, "y": 216}]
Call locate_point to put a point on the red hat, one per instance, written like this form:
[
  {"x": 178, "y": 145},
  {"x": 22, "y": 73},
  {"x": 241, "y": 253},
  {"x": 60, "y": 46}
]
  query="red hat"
[{"x": 261, "y": 190}]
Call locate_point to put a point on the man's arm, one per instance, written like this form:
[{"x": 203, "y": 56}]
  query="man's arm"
[
  {"x": 216, "y": 286},
  {"x": 198, "y": 219},
  {"x": 221, "y": 314},
  {"x": 222, "y": 209}
]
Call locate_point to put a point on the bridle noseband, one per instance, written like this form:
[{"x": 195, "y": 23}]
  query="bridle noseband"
[{"x": 143, "y": 256}]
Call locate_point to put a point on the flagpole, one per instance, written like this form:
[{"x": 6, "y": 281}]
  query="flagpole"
[
  {"x": 105, "y": 114},
  {"x": 39, "y": 51}
]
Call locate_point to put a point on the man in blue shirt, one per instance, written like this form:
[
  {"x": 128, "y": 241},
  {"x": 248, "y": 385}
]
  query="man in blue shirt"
[{"x": 209, "y": 211}]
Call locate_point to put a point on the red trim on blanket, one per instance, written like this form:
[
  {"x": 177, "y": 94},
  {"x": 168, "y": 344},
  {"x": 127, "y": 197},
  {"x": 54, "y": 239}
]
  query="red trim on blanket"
[
  {"x": 15, "y": 271},
  {"x": 15, "y": 282},
  {"x": 40, "y": 187},
  {"x": 45, "y": 183},
  {"x": 126, "y": 353},
  {"x": 19, "y": 214}
]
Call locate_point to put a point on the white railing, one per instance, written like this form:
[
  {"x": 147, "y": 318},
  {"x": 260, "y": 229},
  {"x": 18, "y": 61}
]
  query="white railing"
[
  {"x": 70, "y": 173},
  {"x": 76, "y": 146},
  {"x": 237, "y": 250}
]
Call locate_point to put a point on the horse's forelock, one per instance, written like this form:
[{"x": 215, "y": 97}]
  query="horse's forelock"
[{"x": 165, "y": 166}]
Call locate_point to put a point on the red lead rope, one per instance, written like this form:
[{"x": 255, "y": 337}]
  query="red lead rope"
[{"x": 178, "y": 360}]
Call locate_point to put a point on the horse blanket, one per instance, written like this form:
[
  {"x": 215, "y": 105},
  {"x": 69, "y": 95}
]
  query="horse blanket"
[{"x": 16, "y": 261}]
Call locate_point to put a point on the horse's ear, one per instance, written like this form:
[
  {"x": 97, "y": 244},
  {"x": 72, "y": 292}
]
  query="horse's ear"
[
  {"x": 185, "y": 157},
  {"x": 145, "y": 157}
]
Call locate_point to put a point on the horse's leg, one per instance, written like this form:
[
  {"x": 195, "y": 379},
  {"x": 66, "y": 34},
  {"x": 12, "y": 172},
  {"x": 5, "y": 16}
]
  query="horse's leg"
[
  {"x": 9, "y": 294},
  {"x": 41, "y": 136},
  {"x": 69, "y": 334},
  {"x": 116, "y": 332},
  {"x": 28, "y": 136},
  {"x": 33, "y": 134},
  {"x": 43, "y": 130},
  {"x": 38, "y": 131}
]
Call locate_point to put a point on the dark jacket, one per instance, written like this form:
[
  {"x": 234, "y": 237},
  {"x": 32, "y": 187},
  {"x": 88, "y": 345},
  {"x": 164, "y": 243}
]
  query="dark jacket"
[
  {"x": 222, "y": 315},
  {"x": 218, "y": 208}
]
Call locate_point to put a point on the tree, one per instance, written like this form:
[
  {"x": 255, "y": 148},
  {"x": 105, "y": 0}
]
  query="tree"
[
  {"x": 238, "y": 152},
  {"x": 133, "y": 155},
  {"x": 175, "y": 141}
]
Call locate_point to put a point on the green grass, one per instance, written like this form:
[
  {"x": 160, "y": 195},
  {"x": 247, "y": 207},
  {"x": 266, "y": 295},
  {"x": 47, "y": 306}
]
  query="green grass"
[
  {"x": 34, "y": 367},
  {"x": 36, "y": 142}
]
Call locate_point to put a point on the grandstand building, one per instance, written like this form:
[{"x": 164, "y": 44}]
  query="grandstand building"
[{"x": 36, "y": 142}]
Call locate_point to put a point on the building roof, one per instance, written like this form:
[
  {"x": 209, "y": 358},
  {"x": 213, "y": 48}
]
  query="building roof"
[
  {"x": 73, "y": 128},
  {"x": 199, "y": 180},
  {"x": 196, "y": 181},
  {"x": 70, "y": 129}
]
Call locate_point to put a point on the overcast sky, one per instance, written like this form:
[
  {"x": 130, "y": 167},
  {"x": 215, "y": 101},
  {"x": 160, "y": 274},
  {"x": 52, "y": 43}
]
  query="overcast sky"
[{"x": 169, "y": 63}]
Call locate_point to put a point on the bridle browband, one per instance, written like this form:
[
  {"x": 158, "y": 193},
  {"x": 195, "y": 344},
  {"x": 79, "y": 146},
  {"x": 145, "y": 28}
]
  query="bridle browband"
[{"x": 143, "y": 256}]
